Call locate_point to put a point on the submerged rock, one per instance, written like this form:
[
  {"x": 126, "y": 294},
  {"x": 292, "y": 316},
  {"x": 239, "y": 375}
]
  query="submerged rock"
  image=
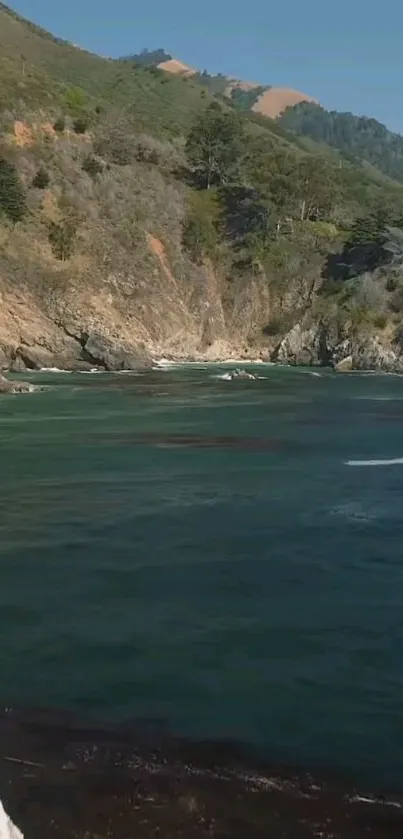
[
  {"x": 10, "y": 386},
  {"x": 242, "y": 374}
]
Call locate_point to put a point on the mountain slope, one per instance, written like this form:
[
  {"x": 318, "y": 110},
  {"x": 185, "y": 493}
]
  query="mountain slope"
[
  {"x": 111, "y": 248},
  {"x": 40, "y": 69}
]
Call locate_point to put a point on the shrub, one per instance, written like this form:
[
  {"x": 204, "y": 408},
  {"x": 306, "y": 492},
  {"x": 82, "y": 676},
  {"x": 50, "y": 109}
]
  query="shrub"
[
  {"x": 80, "y": 125},
  {"x": 380, "y": 321},
  {"x": 75, "y": 101},
  {"x": 92, "y": 166},
  {"x": 41, "y": 179},
  {"x": 200, "y": 226},
  {"x": 116, "y": 145},
  {"x": 60, "y": 125},
  {"x": 62, "y": 236},
  {"x": 391, "y": 284}
]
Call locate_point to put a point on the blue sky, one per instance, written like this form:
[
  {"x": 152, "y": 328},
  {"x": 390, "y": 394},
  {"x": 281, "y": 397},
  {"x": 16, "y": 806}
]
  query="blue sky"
[{"x": 347, "y": 54}]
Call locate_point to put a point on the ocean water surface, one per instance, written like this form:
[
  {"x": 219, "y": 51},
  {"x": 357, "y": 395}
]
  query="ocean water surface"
[{"x": 224, "y": 558}]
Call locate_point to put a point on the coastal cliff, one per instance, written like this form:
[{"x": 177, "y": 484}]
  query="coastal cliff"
[{"x": 142, "y": 217}]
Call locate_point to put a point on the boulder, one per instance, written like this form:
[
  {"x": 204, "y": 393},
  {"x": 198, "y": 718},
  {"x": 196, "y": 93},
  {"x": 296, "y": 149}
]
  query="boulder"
[
  {"x": 345, "y": 365},
  {"x": 242, "y": 374},
  {"x": 102, "y": 351}
]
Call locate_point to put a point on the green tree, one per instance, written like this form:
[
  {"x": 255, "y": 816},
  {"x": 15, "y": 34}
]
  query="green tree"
[
  {"x": 214, "y": 146},
  {"x": 41, "y": 179},
  {"x": 370, "y": 228},
  {"x": 12, "y": 195},
  {"x": 62, "y": 237},
  {"x": 317, "y": 188}
]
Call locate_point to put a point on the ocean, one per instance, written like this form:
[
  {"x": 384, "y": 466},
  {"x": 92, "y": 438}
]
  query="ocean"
[{"x": 221, "y": 559}]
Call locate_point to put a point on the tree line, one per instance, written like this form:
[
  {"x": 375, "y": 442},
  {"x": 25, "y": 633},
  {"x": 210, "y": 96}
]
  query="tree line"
[{"x": 358, "y": 137}]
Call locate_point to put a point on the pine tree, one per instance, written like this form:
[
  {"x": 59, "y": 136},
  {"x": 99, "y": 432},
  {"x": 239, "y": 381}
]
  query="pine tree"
[{"x": 12, "y": 195}]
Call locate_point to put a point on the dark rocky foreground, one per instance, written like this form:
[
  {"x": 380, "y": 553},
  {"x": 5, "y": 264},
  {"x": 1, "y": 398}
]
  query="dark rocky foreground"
[{"x": 61, "y": 779}]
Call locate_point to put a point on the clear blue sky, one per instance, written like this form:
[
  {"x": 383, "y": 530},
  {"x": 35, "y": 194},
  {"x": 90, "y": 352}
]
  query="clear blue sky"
[{"x": 348, "y": 54}]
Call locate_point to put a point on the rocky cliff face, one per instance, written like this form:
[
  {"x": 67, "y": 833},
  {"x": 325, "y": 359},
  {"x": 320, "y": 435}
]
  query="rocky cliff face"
[
  {"x": 318, "y": 344},
  {"x": 100, "y": 327}
]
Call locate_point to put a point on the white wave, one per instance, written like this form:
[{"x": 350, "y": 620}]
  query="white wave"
[
  {"x": 228, "y": 377},
  {"x": 8, "y": 830},
  {"x": 377, "y": 398},
  {"x": 54, "y": 370},
  {"x": 364, "y": 799},
  {"x": 396, "y": 461},
  {"x": 90, "y": 372},
  {"x": 167, "y": 363}
]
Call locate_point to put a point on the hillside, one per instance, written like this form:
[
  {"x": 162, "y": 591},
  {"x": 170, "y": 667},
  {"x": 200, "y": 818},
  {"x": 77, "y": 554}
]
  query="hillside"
[
  {"x": 143, "y": 213},
  {"x": 359, "y": 137},
  {"x": 262, "y": 99}
]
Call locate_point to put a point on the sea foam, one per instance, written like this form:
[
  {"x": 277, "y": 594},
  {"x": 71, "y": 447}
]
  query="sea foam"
[
  {"x": 396, "y": 461},
  {"x": 8, "y": 830}
]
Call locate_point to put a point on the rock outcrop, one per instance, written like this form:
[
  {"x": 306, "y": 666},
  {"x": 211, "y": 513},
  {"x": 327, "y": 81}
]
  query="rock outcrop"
[
  {"x": 318, "y": 344},
  {"x": 8, "y": 386}
]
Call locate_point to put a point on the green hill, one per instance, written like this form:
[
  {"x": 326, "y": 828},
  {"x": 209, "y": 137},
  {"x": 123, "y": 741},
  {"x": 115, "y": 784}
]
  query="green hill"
[{"x": 144, "y": 214}]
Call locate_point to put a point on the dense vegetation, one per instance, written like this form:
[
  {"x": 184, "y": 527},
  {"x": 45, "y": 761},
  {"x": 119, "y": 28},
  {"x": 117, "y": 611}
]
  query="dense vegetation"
[
  {"x": 148, "y": 58},
  {"x": 357, "y": 137},
  {"x": 246, "y": 99}
]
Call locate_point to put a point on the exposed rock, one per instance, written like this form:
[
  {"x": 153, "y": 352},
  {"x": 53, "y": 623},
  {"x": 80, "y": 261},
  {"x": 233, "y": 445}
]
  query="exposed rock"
[
  {"x": 339, "y": 350},
  {"x": 321, "y": 344},
  {"x": 372, "y": 354},
  {"x": 9, "y": 386},
  {"x": 35, "y": 358},
  {"x": 241, "y": 374},
  {"x": 301, "y": 345},
  {"x": 345, "y": 365},
  {"x": 111, "y": 354}
]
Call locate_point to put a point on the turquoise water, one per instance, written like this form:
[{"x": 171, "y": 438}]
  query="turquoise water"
[{"x": 197, "y": 551}]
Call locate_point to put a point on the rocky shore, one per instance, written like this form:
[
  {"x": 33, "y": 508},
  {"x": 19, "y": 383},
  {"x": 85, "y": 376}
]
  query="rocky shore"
[
  {"x": 62, "y": 779},
  {"x": 307, "y": 343},
  {"x": 9, "y": 386},
  {"x": 318, "y": 344}
]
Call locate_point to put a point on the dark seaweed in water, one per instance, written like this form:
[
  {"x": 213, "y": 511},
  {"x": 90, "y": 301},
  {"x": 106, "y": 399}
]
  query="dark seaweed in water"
[
  {"x": 61, "y": 778},
  {"x": 201, "y": 441}
]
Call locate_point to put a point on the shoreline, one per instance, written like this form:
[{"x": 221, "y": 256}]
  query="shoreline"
[{"x": 60, "y": 776}]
